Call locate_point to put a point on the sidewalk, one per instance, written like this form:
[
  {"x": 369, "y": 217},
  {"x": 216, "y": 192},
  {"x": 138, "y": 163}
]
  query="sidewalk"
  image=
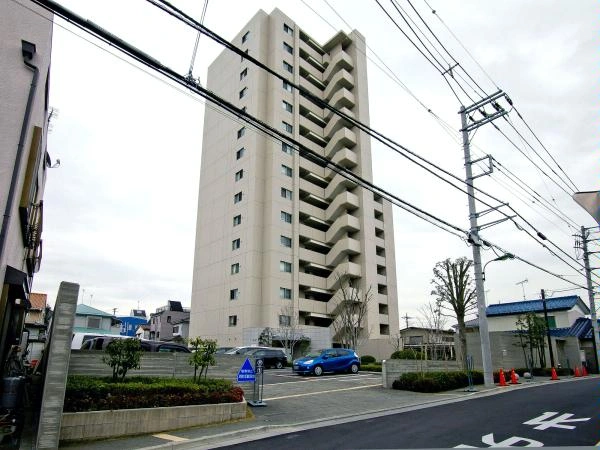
[{"x": 295, "y": 413}]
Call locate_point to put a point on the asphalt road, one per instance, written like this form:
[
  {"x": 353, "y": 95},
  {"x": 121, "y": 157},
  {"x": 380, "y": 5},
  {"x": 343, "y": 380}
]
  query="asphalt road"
[{"x": 561, "y": 414}]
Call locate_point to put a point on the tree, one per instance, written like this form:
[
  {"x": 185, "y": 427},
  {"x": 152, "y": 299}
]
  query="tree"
[
  {"x": 532, "y": 335},
  {"x": 265, "y": 338},
  {"x": 352, "y": 309},
  {"x": 433, "y": 322},
  {"x": 122, "y": 355},
  {"x": 203, "y": 355},
  {"x": 289, "y": 329},
  {"x": 455, "y": 294}
]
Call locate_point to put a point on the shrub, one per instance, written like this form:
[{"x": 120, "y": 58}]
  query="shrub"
[
  {"x": 122, "y": 355},
  {"x": 406, "y": 354},
  {"x": 435, "y": 381},
  {"x": 93, "y": 394},
  {"x": 373, "y": 367},
  {"x": 367, "y": 359}
]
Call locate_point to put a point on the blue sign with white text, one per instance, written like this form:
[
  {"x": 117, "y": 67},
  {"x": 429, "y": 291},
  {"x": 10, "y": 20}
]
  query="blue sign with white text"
[{"x": 246, "y": 373}]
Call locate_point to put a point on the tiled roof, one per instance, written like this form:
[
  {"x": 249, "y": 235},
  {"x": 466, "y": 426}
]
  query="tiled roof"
[
  {"x": 38, "y": 301},
  {"x": 86, "y": 310},
  {"x": 552, "y": 304}
]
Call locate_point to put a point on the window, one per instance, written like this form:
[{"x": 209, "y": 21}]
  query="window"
[
  {"x": 239, "y": 153},
  {"x": 287, "y": 86},
  {"x": 235, "y": 268},
  {"x": 243, "y": 74},
  {"x": 237, "y": 220},
  {"x": 288, "y": 30},
  {"x": 285, "y": 293},
  {"x": 241, "y": 132},
  {"x": 235, "y": 244},
  {"x": 285, "y": 170},
  {"x": 247, "y": 52},
  {"x": 234, "y": 294},
  {"x": 288, "y": 48},
  {"x": 168, "y": 319},
  {"x": 286, "y": 241},
  {"x": 243, "y": 92},
  {"x": 93, "y": 322},
  {"x": 245, "y": 37},
  {"x": 287, "y": 127},
  {"x": 237, "y": 197},
  {"x": 286, "y": 193},
  {"x": 286, "y": 217},
  {"x": 285, "y": 266},
  {"x": 285, "y": 321},
  {"x": 287, "y": 106},
  {"x": 232, "y": 321},
  {"x": 286, "y": 148},
  {"x": 239, "y": 175},
  {"x": 551, "y": 322},
  {"x": 287, "y": 66}
]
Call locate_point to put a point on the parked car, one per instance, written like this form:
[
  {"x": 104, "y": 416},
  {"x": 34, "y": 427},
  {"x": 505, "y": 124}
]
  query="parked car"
[
  {"x": 272, "y": 357},
  {"x": 79, "y": 338},
  {"x": 222, "y": 350},
  {"x": 101, "y": 342},
  {"x": 327, "y": 360},
  {"x": 242, "y": 350}
]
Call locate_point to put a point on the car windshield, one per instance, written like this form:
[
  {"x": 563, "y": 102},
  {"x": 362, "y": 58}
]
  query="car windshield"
[{"x": 314, "y": 354}]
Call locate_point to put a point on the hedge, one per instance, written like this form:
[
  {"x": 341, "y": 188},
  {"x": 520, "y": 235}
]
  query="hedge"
[
  {"x": 406, "y": 354},
  {"x": 374, "y": 367},
  {"x": 94, "y": 394},
  {"x": 367, "y": 359},
  {"x": 435, "y": 381}
]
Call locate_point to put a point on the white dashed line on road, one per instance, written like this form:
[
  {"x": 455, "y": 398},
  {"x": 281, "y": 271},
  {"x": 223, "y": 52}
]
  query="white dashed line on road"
[
  {"x": 170, "y": 437},
  {"x": 323, "y": 392}
]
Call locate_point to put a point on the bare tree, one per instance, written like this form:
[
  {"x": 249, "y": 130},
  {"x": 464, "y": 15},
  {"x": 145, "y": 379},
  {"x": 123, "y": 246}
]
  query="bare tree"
[
  {"x": 396, "y": 341},
  {"x": 433, "y": 322},
  {"x": 352, "y": 309},
  {"x": 289, "y": 331},
  {"x": 453, "y": 289}
]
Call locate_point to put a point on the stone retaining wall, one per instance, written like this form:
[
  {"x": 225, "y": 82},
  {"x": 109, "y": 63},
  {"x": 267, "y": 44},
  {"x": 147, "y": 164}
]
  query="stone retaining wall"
[
  {"x": 108, "y": 424},
  {"x": 391, "y": 369}
]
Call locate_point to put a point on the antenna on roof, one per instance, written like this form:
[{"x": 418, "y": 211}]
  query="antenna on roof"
[{"x": 522, "y": 287}]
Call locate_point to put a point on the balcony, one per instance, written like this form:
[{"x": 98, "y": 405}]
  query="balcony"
[
  {"x": 336, "y": 122},
  {"x": 341, "y": 98},
  {"x": 345, "y": 158},
  {"x": 307, "y": 185},
  {"x": 310, "y": 280},
  {"x": 339, "y": 184},
  {"x": 346, "y": 201},
  {"x": 309, "y": 232},
  {"x": 347, "y": 268},
  {"x": 313, "y": 178},
  {"x": 342, "y": 226},
  {"x": 341, "y": 79},
  {"x": 308, "y": 255},
  {"x": 316, "y": 246},
  {"x": 314, "y": 136},
  {"x": 341, "y": 250},
  {"x": 340, "y": 60},
  {"x": 314, "y": 222},
  {"x": 343, "y": 138},
  {"x": 312, "y": 306},
  {"x": 315, "y": 200}
]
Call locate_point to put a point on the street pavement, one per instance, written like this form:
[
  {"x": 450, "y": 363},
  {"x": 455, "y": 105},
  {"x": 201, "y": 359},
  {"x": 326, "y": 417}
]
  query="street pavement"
[{"x": 295, "y": 404}]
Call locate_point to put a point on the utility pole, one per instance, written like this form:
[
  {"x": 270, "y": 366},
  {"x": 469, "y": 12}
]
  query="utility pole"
[
  {"x": 590, "y": 289},
  {"x": 548, "y": 329},
  {"x": 486, "y": 357},
  {"x": 405, "y": 317}
]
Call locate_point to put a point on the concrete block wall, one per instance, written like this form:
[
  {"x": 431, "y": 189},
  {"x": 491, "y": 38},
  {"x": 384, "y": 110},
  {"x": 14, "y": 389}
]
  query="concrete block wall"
[
  {"x": 391, "y": 369},
  {"x": 108, "y": 424}
]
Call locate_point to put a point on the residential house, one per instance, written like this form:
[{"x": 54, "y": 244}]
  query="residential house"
[
  {"x": 130, "y": 323},
  {"x": 143, "y": 331},
  {"x": 35, "y": 325},
  {"x": 181, "y": 329},
  {"x": 161, "y": 321},
  {"x": 92, "y": 320},
  {"x": 437, "y": 344}
]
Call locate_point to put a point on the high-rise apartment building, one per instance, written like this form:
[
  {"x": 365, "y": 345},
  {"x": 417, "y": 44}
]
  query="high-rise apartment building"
[{"x": 275, "y": 230}]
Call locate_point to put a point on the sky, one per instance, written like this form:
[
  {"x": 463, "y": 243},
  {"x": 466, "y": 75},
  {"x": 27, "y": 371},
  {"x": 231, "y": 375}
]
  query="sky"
[{"x": 120, "y": 211}]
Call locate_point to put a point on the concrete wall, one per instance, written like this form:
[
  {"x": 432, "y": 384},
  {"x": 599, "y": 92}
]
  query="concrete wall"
[
  {"x": 506, "y": 323},
  {"x": 391, "y": 369},
  {"x": 109, "y": 424},
  {"x": 155, "y": 364}
]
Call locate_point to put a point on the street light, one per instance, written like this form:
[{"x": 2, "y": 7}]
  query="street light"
[{"x": 499, "y": 258}]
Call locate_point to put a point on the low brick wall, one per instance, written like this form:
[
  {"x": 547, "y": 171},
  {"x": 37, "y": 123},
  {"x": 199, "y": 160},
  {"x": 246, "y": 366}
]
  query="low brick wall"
[
  {"x": 391, "y": 369},
  {"x": 122, "y": 422}
]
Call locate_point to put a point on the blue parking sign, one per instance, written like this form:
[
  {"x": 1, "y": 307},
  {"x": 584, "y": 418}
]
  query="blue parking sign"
[{"x": 246, "y": 373}]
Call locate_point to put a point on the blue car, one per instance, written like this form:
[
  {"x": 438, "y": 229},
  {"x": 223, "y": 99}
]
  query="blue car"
[{"x": 327, "y": 360}]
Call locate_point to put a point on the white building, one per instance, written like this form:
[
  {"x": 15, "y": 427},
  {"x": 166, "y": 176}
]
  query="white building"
[{"x": 275, "y": 230}]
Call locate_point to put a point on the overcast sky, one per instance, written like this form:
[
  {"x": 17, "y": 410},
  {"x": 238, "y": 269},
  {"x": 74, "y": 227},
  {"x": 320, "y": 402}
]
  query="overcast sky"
[{"x": 120, "y": 211}]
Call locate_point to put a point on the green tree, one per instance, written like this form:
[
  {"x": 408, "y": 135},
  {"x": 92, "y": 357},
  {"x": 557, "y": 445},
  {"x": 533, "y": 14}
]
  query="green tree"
[
  {"x": 532, "y": 336},
  {"x": 203, "y": 356},
  {"x": 455, "y": 293},
  {"x": 122, "y": 355}
]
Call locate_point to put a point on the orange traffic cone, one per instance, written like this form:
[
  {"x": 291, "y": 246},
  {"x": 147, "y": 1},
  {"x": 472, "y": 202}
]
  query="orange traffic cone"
[
  {"x": 553, "y": 373},
  {"x": 513, "y": 377},
  {"x": 577, "y": 374},
  {"x": 502, "y": 379},
  {"x": 584, "y": 371}
]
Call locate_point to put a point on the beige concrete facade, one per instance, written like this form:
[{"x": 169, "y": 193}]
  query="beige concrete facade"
[{"x": 275, "y": 229}]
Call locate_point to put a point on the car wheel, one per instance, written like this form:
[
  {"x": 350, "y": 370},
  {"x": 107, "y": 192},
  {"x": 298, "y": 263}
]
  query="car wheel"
[
  {"x": 278, "y": 365},
  {"x": 318, "y": 370},
  {"x": 354, "y": 368}
]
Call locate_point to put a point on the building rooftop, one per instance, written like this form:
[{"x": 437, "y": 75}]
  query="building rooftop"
[
  {"x": 86, "y": 310},
  {"x": 38, "y": 301},
  {"x": 523, "y": 307}
]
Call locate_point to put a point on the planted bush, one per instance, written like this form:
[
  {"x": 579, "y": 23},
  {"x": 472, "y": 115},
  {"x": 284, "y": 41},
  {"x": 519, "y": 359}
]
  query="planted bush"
[
  {"x": 406, "y": 354},
  {"x": 367, "y": 359},
  {"x": 373, "y": 367},
  {"x": 435, "y": 381},
  {"x": 95, "y": 394}
]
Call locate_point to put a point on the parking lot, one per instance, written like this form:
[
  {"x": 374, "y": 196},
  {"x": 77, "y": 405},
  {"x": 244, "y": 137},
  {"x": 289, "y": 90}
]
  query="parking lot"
[{"x": 280, "y": 384}]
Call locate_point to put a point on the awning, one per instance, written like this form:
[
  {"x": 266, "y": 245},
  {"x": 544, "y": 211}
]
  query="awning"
[{"x": 19, "y": 285}]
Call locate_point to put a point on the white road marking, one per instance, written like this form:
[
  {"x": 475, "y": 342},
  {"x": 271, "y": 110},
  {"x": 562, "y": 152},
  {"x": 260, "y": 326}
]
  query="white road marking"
[
  {"x": 324, "y": 392},
  {"x": 315, "y": 379},
  {"x": 545, "y": 421},
  {"x": 170, "y": 437}
]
